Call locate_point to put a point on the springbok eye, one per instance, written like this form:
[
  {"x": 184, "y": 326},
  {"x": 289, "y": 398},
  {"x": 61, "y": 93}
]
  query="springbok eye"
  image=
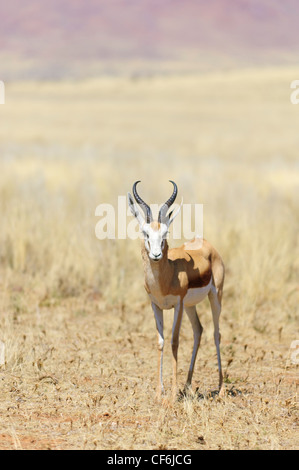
[{"x": 145, "y": 235}]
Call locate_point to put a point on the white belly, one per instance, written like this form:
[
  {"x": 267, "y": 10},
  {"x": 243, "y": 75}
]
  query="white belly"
[
  {"x": 165, "y": 303},
  {"x": 196, "y": 295},
  {"x": 193, "y": 297}
]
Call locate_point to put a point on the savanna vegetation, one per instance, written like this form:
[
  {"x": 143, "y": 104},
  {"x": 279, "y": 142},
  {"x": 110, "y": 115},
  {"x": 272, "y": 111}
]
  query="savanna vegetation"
[{"x": 75, "y": 322}]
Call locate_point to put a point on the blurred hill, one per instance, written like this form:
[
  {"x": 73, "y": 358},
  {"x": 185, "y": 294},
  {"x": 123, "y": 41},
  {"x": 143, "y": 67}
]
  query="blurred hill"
[{"x": 81, "y": 37}]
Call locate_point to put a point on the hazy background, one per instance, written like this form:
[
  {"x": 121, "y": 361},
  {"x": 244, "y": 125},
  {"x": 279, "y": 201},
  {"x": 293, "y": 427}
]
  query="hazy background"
[
  {"x": 99, "y": 95},
  {"x": 65, "y": 39}
]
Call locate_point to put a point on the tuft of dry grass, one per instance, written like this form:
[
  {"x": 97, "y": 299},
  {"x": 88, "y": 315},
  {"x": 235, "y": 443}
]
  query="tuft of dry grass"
[{"x": 79, "y": 334}]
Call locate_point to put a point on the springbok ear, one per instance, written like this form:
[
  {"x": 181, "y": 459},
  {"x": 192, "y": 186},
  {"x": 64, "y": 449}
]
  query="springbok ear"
[
  {"x": 135, "y": 211},
  {"x": 173, "y": 214}
]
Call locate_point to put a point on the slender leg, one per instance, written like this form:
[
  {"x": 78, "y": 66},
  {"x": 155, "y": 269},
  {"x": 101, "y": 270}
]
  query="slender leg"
[
  {"x": 216, "y": 310},
  {"x": 197, "y": 332},
  {"x": 178, "y": 314},
  {"x": 159, "y": 323}
]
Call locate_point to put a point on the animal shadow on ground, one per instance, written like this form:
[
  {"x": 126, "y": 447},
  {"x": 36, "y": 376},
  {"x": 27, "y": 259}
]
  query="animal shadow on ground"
[{"x": 213, "y": 394}]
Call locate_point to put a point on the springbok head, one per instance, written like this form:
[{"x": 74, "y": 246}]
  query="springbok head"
[{"x": 154, "y": 231}]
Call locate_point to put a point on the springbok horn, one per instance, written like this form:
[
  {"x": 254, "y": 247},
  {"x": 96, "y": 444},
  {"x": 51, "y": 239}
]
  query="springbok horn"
[
  {"x": 167, "y": 204},
  {"x": 146, "y": 209}
]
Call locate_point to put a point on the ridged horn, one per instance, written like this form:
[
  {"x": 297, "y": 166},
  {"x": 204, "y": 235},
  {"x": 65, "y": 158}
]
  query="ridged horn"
[
  {"x": 167, "y": 204},
  {"x": 145, "y": 207}
]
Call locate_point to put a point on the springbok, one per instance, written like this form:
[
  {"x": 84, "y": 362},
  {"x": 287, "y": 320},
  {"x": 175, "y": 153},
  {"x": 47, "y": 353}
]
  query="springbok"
[{"x": 178, "y": 278}]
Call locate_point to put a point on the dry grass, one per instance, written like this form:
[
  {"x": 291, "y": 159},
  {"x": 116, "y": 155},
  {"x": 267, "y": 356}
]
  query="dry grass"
[{"x": 78, "y": 330}]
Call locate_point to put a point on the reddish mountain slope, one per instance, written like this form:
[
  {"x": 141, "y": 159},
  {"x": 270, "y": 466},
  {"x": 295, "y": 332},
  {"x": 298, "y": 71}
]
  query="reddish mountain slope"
[{"x": 149, "y": 29}]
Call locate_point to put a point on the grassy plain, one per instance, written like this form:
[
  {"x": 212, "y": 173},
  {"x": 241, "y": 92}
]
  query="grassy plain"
[{"x": 79, "y": 334}]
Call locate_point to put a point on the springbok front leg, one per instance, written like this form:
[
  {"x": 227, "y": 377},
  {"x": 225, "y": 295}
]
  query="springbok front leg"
[
  {"x": 197, "y": 332},
  {"x": 216, "y": 310},
  {"x": 177, "y": 321},
  {"x": 159, "y": 323}
]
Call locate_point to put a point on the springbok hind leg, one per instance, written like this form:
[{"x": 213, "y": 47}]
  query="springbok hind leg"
[
  {"x": 216, "y": 310},
  {"x": 197, "y": 332}
]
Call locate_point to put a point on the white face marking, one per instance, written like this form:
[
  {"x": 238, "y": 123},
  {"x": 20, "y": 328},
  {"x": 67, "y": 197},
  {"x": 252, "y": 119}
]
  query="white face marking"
[{"x": 155, "y": 240}]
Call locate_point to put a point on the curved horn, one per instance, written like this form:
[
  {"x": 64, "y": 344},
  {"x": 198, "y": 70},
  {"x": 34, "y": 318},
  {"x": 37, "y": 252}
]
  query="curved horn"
[
  {"x": 146, "y": 209},
  {"x": 167, "y": 204}
]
